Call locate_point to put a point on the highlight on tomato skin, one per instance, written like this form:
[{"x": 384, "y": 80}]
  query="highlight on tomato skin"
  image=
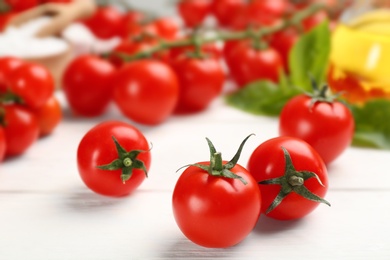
[
  {"x": 292, "y": 177},
  {"x": 113, "y": 158}
]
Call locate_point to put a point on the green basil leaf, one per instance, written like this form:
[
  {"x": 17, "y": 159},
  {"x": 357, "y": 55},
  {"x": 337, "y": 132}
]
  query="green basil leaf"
[
  {"x": 372, "y": 124},
  {"x": 262, "y": 98},
  {"x": 310, "y": 56}
]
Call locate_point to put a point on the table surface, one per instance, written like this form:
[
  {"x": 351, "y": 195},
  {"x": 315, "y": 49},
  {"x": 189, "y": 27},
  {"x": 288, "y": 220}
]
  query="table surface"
[{"x": 46, "y": 211}]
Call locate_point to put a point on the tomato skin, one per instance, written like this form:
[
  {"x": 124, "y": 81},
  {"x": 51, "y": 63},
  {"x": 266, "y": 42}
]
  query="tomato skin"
[
  {"x": 49, "y": 116},
  {"x": 87, "y": 85},
  {"x": 146, "y": 91},
  {"x": 246, "y": 64},
  {"x": 3, "y": 145},
  {"x": 213, "y": 211},
  {"x": 7, "y": 66},
  {"x": 21, "y": 130},
  {"x": 22, "y": 5},
  {"x": 283, "y": 41},
  {"x": 267, "y": 162},
  {"x": 224, "y": 9},
  {"x": 201, "y": 81},
  {"x": 194, "y": 12},
  {"x": 327, "y": 127},
  {"x": 105, "y": 23},
  {"x": 33, "y": 83},
  {"x": 167, "y": 28},
  {"x": 97, "y": 148}
]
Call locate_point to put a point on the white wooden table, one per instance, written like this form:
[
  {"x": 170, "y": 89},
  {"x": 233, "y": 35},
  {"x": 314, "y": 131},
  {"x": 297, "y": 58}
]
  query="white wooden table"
[{"x": 46, "y": 211}]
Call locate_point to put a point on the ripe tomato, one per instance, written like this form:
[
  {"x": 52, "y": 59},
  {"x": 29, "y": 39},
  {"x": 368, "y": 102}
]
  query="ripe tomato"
[
  {"x": 293, "y": 177},
  {"x": 224, "y": 9},
  {"x": 327, "y": 126},
  {"x": 113, "y": 158},
  {"x": 248, "y": 64},
  {"x": 3, "y": 145},
  {"x": 194, "y": 12},
  {"x": 33, "y": 83},
  {"x": 105, "y": 23},
  {"x": 49, "y": 116},
  {"x": 167, "y": 28},
  {"x": 146, "y": 91},
  {"x": 283, "y": 41},
  {"x": 21, "y": 129},
  {"x": 87, "y": 85},
  {"x": 22, "y": 5},
  {"x": 266, "y": 12},
  {"x": 217, "y": 209},
  {"x": 7, "y": 66},
  {"x": 201, "y": 81}
]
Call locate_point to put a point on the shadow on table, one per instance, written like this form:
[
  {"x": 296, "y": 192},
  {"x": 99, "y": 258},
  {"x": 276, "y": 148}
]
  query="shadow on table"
[
  {"x": 183, "y": 248},
  {"x": 267, "y": 225},
  {"x": 85, "y": 200}
]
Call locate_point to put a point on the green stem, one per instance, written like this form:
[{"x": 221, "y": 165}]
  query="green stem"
[{"x": 249, "y": 33}]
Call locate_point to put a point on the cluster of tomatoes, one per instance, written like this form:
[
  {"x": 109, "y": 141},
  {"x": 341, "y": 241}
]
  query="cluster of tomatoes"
[
  {"x": 184, "y": 78},
  {"x": 28, "y": 108}
]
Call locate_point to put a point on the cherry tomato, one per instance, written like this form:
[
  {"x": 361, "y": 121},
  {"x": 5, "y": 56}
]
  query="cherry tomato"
[
  {"x": 105, "y": 23},
  {"x": 113, "y": 158},
  {"x": 201, "y": 81},
  {"x": 266, "y": 11},
  {"x": 293, "y": 163},
  {"x": 7, "y": 66},
  {"x": 33, "y": 83},
  {"x": 167, "y": 28},
  {"x": 49, "y": 116},
  {"x": 87, "y": 85},
  {"x": 146, "y": 91},
  {"x": 248, "y": 64},
  {"x": 21, "y": 129},
  {"x": 130, "y": 47},
  {"x": 283, "y": 41},
  {"x": 3, "y": 145},
  {"x": 224, "y": 9},
  {"x": 327, "y": 126},
  {"x": 22, "y": 5},
  {"x": 216, "y": 210},
  {"x": 194, "y": 12},
  {"x": 5, "y": 18}
]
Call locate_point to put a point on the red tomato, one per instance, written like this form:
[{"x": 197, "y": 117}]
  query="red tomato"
[
  {"x": 167, "y": 28},
  {"x": 327, "y": 126},
  {"x": 224, "y": 9},
  {"x": 295, "y": 164},
  {"x": 105, "y": 23},
  {"x": 194, "y": 12},
  {"x": 49, "y": 116},
  {"x": 87, "y": 85},
  {"x": 57, "y": 1},
  {"x": 266, "y": 11},
  {"x": 3, "y": 144},
  {"x": 7, "y": 66},
  {"x": 22, "y": 5},
  {"x": 201, "y": 81},
  {"x": 129, "y": 47},
  {"x": 248, "y": 64},
  {"x": 216, "y": 210},
  {"x": 283, "y": 41},
  {"x": 5, "y": 19},
  {"x": 146, "y": 91},
  {"x": 314, "y": 20},
  {"x": 129, "y": 157},
  {"x": 33, "y": 83},
  {"x": 21, "y": 129}
]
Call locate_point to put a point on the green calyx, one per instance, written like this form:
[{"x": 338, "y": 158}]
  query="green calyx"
[
  {"x": 127, "y": 161},
  {"x": 293, "y": 181},
  {"x": 217, "y": 167},
  {"x": 321, "y": 93}
]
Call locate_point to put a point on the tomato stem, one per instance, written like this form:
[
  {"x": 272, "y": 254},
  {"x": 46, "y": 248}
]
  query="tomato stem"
[
  {"x": 250, "y": 33},
  {"x": 293, "y": 181},
  {"x": 127, "y": 161}
]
